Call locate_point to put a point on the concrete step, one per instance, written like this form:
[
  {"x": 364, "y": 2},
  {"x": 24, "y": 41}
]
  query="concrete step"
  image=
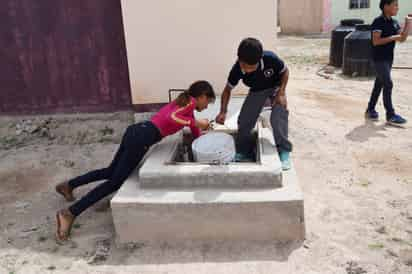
[{"x": 169, "y": 215}]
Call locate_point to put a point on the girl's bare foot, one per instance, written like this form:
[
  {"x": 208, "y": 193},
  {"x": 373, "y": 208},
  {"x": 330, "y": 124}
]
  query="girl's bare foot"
[
  {"x": 66, "y": 191},
  {"x": 64, "y": 220}
]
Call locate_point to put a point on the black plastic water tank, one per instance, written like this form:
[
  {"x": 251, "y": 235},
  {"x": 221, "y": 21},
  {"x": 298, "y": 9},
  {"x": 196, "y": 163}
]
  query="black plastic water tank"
[
  {"x": 357, "y": 52},
  {"x": 338, "y": 38}
]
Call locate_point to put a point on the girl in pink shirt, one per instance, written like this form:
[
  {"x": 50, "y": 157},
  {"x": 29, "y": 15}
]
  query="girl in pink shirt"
[{"x": 136, "y": 141}]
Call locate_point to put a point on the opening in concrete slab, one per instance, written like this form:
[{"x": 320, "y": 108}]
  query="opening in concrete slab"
[
  {"x": 183, "y": 154},
  {"x": 170, "y": 165}
]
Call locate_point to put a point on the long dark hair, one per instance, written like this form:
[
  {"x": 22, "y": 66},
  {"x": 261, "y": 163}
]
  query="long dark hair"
[{"x": 196, "y": 90}]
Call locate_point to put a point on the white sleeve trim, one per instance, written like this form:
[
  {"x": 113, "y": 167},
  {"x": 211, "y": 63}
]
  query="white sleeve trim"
[
  {"x": 284, "y": 69},
  {"x": 376, "y": 30},
  {"x": 230, "y": 85}
]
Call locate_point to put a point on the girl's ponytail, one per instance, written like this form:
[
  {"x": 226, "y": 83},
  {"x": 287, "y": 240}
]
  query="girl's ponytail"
[
  {"x": 183, "y": 99},
  {"x": 196, "y": 90}
]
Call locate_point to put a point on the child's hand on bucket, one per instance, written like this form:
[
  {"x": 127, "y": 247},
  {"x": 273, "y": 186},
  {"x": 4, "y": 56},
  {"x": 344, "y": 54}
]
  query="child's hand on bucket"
[
  {"x": 220, "y": 118},
  {"x": 203, "y": 124}
]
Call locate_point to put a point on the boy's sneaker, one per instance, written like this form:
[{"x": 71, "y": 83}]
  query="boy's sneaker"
[
  {"x": 372, "y": 115},
  {"x": 240, "y": 157},
  {"x": 396, "y": 120},
  {"x": 285, "y": 159}
]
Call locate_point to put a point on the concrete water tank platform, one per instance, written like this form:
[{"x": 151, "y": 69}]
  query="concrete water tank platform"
[
  {"x": 168, "y": 215},
  {"x": 158, "y": 208}
]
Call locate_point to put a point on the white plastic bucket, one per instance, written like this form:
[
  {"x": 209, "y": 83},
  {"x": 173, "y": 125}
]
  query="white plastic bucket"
[{"x": 214, "y": 147}]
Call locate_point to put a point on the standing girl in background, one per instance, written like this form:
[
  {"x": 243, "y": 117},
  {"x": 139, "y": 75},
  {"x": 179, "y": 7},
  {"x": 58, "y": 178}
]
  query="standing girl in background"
[
  {"x": 385, "y": 33},
  {"x": 136, "y": 141}
]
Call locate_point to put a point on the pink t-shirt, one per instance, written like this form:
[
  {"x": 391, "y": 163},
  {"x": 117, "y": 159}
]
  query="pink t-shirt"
[{"x": 172, "y": 118}]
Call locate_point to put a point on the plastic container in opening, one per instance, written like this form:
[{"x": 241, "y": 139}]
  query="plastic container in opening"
[{"x": 214, "y": 147}]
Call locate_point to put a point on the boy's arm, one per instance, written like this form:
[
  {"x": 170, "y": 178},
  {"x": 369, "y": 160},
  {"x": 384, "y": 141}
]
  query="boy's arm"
[
  {"x": 377, "y": 40},
  {"x": 225, "y": 98},
  {"x": 221, "y": 117},
  {"x": 405, "y": 32},
  {"x": 284, "y": 82},
  {"x": 232, "y": 81},
  {"x": 281, "y": 96}
]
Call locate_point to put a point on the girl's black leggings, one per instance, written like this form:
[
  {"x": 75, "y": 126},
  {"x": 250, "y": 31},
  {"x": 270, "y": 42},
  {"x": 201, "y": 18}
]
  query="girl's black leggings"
[{"x": 136, "y": 141}]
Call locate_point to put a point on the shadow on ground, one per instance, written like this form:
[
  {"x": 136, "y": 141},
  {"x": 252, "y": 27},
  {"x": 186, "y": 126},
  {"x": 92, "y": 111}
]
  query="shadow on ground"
[{"x": 366, "y": 131}]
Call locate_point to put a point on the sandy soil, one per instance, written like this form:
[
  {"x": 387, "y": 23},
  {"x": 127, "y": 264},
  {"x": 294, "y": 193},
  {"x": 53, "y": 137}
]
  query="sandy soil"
[{"x": 356, "y": 176}]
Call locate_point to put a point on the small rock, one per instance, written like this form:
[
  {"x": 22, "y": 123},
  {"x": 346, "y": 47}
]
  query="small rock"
[
  {"x": 396, "y": 203},
  {"x": 134, "y": 246},
  {"x": 107, "y": 131},
  {"x": 33, "y": 129},
  {"x": 102, "y": 252},
  {"x": 42, "y": 239},
  {"x": 68, "y": 163},
  {"x": 329, "y": 70},
  {"x": 392, "y": 253},
  {"x": 73, "y": 245},
  {"x": 27, "y": 232},
  {"x": 398, "y": 240},
  {"x": 354, "y": 268},
  {"x": 44, "y": 132},
  {"x": 54, "y": 249},
  {"x": 406, "y": 256},
  {"x": 31, "y": 229},
  {"x": 355, "y": 74},
  {"x": 22, "y": 205},
  {"x": 52, "y": 267},
  {"x": 381, "y": 230}
]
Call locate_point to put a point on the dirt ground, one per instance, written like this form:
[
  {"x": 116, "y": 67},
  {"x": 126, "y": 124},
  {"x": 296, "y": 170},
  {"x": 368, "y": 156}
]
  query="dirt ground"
[{"x": 356, "y": 177}]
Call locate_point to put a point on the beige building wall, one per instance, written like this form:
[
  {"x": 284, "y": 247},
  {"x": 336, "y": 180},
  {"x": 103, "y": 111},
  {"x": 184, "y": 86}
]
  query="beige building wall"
[
  {"x": 301, "y": 16},
  {"x": 171, "y": 43}
]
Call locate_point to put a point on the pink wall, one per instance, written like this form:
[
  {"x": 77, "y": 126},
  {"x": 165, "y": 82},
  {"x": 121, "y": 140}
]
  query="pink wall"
[
  {"x": 301, "y": 16},
  {"x": 327, "y": 16}
]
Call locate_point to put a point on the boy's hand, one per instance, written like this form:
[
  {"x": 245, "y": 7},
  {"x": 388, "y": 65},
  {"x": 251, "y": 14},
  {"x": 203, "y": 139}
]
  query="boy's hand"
[
  {"x": 281, "y": 99},
  {"x": 221, "y": 118},
  {"x": 397, "y": 38},
  {"x": 203, "y": 124}
]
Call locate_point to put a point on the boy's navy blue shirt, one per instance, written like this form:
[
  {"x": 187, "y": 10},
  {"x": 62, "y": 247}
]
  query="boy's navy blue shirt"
[
  {"x": 387, "y": 27},
  {"x": 267, "y": 75}
]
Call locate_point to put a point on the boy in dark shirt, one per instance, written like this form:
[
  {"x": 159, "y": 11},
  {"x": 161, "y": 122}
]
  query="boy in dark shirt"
[
  {"x": 267, "y": 76},
  {"x": 385, "y": 33}
]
